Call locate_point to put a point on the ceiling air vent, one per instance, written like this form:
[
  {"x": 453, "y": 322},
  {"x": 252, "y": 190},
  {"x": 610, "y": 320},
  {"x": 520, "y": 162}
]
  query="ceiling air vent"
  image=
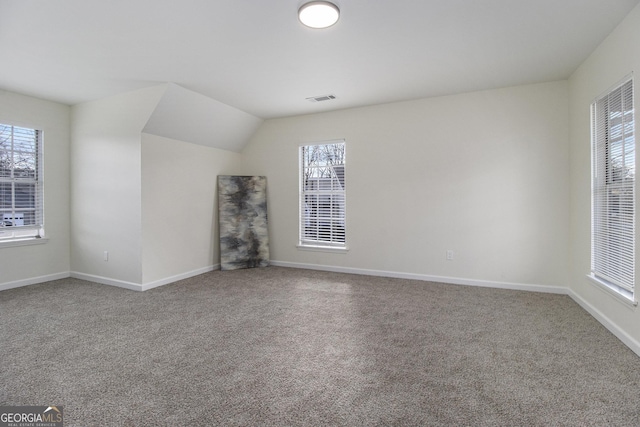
[{"x": 321, "y": 98}]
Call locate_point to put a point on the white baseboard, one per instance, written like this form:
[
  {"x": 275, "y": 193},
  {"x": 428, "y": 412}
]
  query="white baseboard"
[
  {"x": 145, "y": 286},
  {"x": 107, "y": 281},
  {"x": 427, "y": 278},
  {"x": 629, "y": 341},
  {"x": 166, "y": 281},
  {"x": 33, "y": 280},
  {"x": 626, "y": 339}
]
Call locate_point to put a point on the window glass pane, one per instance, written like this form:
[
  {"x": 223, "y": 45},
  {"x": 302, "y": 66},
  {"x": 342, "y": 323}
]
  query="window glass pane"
[
  {"x": 5, "y": 196},
  {"x": 28, "y": 217},
  {"x": 25, "y": 195},
  {"x": 5, "y": 151},
  {"x": 325, "y": 183},
  {"x": 323, "y": 197},
  {"x": 24, "y": 140},
  {"x": 20, "y": 188},
  {"x": 613, "y": 210},
  {"x": 311, "y": 204},
  {"x": 24, "y": 165}
]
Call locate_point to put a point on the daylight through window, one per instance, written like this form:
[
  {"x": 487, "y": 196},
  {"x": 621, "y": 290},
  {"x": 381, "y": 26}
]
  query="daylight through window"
[
  {"x": 21, "y": 213},
  {"x": 323, "y": 195},
  {"x": 613, "y": 198}
]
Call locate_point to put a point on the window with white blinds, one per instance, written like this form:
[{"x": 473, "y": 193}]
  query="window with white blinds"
[
  {"x": 323, "y": 195},
  {"x": 21, "y": 211},
  {"x": 613, "y": 189}
]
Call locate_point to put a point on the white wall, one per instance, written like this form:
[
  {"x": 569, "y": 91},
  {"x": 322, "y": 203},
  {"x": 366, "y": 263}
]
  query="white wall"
[
  {"x": 189, "y": 116},
  {"x": 484, "y": 174},
  {"x": 106, "y": 188},
  {"x": 30, "y": 264},
  {"x": 147, "y": 200},
  {"x": 616, "y": 57},
  {"x": 179, "y": 207}
]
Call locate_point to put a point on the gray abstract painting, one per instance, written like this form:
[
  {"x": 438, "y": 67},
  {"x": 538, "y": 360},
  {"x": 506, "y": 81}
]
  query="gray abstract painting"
[{"x": 244, "y": 238}]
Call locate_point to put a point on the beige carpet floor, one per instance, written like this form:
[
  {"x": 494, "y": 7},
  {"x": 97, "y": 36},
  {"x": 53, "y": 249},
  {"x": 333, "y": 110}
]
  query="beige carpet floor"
[{"x": 280, "y": 347}]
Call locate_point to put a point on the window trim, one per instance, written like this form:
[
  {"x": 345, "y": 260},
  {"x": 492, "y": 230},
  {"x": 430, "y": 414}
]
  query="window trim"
[
  {"x": 603, "y": 182},
  {"x": 316, "y": 245},
  {"x": 316, "y": 248},
  {"x": 26, "y": 241},
  {"x": 618, "y": 293},
  {"x": 28, "y": 234}
]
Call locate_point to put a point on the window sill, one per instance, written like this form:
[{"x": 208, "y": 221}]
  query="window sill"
[
  {"x": 333, "y": 249},
  {"x": 621, "y": 295},
  {"x": 27, "y": 241}
]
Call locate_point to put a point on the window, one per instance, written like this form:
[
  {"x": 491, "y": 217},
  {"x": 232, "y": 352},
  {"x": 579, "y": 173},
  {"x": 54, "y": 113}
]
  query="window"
[
  {"x": 322, "y": 195},
  {"x": 613, "y": 190},
  {"x": 21, "y": 213}
]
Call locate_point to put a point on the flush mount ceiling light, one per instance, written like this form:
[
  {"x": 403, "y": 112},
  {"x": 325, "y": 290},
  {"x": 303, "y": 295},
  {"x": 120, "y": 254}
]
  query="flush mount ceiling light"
[{"x": 319, "y": 14}]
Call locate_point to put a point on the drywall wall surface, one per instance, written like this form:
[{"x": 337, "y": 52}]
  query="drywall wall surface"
[
  {"x": 615, "y": 58},
  {"x": 106, "y": 185},
  {"x": 483, "y": 174},
  {"x": 189, "y": 116},
  {"x": 23, "y": 264},
  {"x": 179, "y": 206}
]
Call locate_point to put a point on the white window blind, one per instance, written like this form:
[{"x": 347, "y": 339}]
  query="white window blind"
[
  {"x": 613, "y": 187},
  {"x": 21, "y": 212},
  {"x": 323, "y": 195}
]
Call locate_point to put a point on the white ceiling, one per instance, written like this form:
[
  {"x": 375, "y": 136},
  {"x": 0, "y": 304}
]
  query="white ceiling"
[{"x": 255, "y": 56}]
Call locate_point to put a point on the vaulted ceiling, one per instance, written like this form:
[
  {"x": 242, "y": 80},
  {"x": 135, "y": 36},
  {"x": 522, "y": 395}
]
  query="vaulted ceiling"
[{"x": 256, "y": 57}]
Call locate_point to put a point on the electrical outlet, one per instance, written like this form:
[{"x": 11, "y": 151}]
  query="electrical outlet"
[
  {"x": 105, "y": 256},
  {"x": 449, "y": 254}
]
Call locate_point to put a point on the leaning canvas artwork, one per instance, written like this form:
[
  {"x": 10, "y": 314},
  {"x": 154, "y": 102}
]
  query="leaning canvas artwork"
[{"x": 244, "y": 238}]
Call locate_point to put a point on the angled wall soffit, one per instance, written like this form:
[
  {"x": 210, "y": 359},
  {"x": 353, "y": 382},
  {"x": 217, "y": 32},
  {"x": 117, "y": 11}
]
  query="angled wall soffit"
[{"x": 189, "y": 116}]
